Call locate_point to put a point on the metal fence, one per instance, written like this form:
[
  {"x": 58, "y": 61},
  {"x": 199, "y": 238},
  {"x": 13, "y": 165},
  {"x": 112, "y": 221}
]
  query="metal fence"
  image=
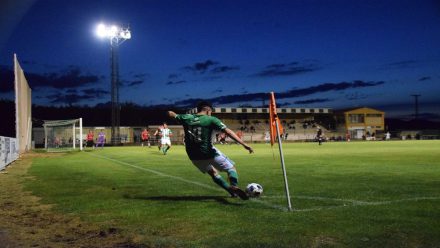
[{"x": 8, "y": 151}]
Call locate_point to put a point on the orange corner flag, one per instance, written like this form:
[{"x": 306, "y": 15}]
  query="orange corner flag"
[
  {"x": 276, "y": 130},
  {"x": 273, "y": 118}
]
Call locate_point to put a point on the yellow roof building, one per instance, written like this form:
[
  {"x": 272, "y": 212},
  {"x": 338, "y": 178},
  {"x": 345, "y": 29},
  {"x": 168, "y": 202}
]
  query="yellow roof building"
[{"x": 364, "y": 121}]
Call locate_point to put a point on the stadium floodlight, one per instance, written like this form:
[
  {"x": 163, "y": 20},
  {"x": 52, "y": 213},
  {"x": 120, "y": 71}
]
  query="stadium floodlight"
[
  {"x": 117, "y": 35},
  {"x": 114, "y": 32},
  {"x": 101, "y": 31}
]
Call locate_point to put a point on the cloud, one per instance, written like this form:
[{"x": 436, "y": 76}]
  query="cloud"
[
  {"x": 72, "y": 96},
  {"x": 316, "y": 100},
  {"x": 71, "y": 78},
  {"x": 356, "y": 96},
  {"x": 133, "y": 83},
  {"x": 223, "y": 69},
  {"x": 210, "y": 69},
  {"x": 71, "y": 91},
  {"x": 327, "y": 87},
  {"x": 424, "y": 78},
  {"x": 300, "y": 92},
  {"x": 176, "y": 82},
  {"x": 200, "y": 67},
  {"x": 283, "y": 104},
  {"x": 141, "y": 75},
  {"x": 290, "y": 69},
  {"x": 136, "y": 79},
  {"x": 173, "y": 76},
  {"x": 404, "y": 64},
  {"x": 67, "y": 98},
  {"x": 95, "y": 92}
]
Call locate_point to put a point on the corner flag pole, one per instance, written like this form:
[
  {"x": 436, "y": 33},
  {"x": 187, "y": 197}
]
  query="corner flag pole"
[
  {"x": 286, "y": 184},
  {"x": 274, "y": 119}
]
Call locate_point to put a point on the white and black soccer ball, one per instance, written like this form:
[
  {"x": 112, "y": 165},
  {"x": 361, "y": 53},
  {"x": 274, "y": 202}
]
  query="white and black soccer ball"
[{"x": 254, "y": 189}]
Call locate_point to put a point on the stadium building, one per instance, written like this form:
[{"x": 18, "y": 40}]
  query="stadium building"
[
  {"x": 299, "y": 124},
  {"x": 362, "y": 123}
]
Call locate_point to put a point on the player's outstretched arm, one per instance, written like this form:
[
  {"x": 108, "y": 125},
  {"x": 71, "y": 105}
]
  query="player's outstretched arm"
[
  {"x": 233, "y": 136},
  {"x": 172, "y": 114}
]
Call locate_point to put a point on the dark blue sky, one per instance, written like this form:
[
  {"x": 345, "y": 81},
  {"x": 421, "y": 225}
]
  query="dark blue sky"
[{"x": 336, "y": 54}]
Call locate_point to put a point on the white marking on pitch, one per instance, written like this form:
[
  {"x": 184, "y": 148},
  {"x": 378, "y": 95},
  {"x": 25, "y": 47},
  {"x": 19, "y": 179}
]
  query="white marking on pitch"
[
  {"x": 353, "y": 202},
  {"x": 182, "y": 179}
]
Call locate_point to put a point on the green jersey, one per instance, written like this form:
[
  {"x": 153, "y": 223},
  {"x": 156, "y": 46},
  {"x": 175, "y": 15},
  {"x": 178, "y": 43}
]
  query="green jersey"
[{"x": 198, "y": 135}]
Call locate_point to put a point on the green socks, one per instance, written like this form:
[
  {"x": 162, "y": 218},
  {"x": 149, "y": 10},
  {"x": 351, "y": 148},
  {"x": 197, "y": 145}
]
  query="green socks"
[
  {"x": 233, "y": 177},
  {"x": 221, "y": 182},
  {"x": 164, "y": 150}
]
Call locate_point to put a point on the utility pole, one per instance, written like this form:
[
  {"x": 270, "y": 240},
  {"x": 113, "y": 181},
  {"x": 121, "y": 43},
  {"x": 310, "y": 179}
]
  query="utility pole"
[{"x": 416, "y": 106}]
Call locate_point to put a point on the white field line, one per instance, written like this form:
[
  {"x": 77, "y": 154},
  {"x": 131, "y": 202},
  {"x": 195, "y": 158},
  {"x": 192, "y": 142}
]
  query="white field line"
[
  {"x": 182, "y": 179},
  {"x": 157, "y": 172},
  {"x": 353, "y": 202}
]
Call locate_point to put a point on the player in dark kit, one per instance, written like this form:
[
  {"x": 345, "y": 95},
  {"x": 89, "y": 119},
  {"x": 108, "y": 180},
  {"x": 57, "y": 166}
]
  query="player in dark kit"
[
  {"x": 319, "y": 136},
  {"x": 198, "y": 144}
]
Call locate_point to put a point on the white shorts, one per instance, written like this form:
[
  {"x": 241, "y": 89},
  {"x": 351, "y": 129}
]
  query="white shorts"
[
  {"x": 220, "y": 162},
  {"x": 165, "y": 141}
]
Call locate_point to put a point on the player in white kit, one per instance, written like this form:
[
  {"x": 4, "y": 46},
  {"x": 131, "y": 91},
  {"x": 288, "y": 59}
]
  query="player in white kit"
[{"x": 165, "y": 140}]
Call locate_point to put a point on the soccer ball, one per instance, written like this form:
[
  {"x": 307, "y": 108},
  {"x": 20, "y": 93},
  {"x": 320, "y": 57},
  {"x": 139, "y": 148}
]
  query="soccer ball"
[{"x": 254, "y": 189}]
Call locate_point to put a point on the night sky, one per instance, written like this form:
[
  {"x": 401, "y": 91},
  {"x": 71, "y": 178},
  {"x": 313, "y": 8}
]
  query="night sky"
[{"x": 333, "y": 54}]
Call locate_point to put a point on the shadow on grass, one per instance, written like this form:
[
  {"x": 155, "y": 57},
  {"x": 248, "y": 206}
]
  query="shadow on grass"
[{"x": 219, "y": 199}]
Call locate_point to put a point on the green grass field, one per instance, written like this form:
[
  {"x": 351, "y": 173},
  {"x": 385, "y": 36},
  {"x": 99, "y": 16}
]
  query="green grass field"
[{"x": 358, "y": 194}]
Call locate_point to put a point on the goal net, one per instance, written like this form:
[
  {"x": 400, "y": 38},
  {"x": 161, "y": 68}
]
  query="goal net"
[{"x": 61, "y": 135}]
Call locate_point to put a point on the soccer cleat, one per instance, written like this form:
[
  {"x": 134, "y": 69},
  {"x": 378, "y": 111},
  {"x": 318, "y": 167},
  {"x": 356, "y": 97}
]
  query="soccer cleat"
[
  {"x": 237, "y": 191},
  {"x": 233, "y": 195}
]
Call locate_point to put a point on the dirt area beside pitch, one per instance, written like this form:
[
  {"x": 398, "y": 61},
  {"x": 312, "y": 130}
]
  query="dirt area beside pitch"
[{"x": 26, "y": 222}]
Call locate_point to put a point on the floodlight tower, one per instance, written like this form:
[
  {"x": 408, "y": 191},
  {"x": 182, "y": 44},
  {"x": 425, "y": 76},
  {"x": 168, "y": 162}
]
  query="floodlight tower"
[{"x": 117, "y": 35}]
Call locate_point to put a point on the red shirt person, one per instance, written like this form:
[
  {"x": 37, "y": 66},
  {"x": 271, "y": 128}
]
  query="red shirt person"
[
  {"x": 90, "y": 139},
  {"x": 145, "y": 137}
]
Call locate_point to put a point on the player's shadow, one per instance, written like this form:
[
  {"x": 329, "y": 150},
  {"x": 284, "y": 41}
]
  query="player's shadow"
[{"x": 219, "y": 199}]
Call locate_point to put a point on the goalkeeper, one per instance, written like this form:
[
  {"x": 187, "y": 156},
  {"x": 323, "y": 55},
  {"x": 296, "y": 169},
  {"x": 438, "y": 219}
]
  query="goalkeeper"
[{"x": 198, "y": 133}]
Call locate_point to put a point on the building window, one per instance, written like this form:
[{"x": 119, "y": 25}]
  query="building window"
[
  {"x": 265, "y": 110},
  {"x": 223, "y": 110},
  {"x": 312, "y": 110},
  {"x": 293, "y": 110},
  {"x": 356, "y": 118},
  {"x": 303, "y": 110},
  {"x": 233, "y": 110},
  {"x": 254, "y": 110},
  {"x": 243, "y": 110},
  {"x": 321, "y": 111},
  {"x": 283, "y": 110}
]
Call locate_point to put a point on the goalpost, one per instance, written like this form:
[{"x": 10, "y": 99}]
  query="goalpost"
[{"x": 61, "y": 135}]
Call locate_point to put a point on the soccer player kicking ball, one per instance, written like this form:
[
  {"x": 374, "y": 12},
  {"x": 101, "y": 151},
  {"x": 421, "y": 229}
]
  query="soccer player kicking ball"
[{"x": 198, "y": 144}]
